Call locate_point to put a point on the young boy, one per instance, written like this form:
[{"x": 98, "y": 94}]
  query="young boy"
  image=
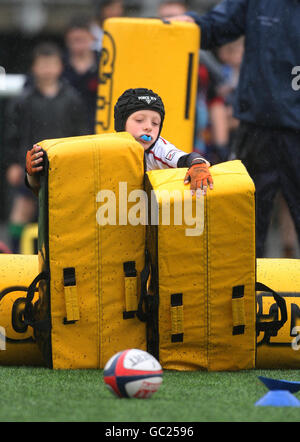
[
  {"x": 141, "y": 113},
  {"x": 81, "y": 65},
  {"x": 47, "y": 108}
]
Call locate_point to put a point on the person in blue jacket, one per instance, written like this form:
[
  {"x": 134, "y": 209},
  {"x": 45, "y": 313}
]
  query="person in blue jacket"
[{"x": 268, "y": 96}]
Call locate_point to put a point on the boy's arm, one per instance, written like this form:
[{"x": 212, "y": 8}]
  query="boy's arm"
[
  {"x": 33, "y": 183},
  {"x": 191, "y": 158},
  {"x": 224, "y": 23}
]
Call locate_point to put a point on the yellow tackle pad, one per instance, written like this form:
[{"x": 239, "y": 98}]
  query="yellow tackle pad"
[
  {"x": 281, "y": 351},
  {"x": 91, "y": 253},
  {"x": 202, "y": 261},
  {"x": 153, "y": 54},
  {"x": 17, "y": 341}
]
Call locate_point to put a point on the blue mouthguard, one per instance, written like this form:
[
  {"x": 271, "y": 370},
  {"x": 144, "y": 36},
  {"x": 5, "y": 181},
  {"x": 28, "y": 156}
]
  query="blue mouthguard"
[{"x": 146, "y": 137}]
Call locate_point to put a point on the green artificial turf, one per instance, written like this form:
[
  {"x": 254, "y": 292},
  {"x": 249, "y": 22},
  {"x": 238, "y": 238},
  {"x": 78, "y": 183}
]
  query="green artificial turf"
[{"x": 38, "y": 394}]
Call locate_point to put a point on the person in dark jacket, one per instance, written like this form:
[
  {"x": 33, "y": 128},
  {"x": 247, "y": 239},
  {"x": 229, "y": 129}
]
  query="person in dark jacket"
[
  {"x": 81, "y": 65},
  {"x": 47, "y": 108},
  {"x": 267, "y": 102}
]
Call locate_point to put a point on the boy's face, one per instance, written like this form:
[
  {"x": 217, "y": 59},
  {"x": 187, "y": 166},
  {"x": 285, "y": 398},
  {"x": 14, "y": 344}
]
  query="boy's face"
[
  {"x": 47, "y": 68},
  {"x": 144, "y": 122},
  {"x": 79, "y": 41}
]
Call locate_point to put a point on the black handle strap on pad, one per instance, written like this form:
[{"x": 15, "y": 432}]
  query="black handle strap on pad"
[{"x": 142, "y": 313}]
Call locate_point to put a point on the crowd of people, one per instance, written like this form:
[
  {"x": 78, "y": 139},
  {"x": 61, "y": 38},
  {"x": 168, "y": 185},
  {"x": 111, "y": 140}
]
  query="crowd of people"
[{"x": 63, "y": 83}]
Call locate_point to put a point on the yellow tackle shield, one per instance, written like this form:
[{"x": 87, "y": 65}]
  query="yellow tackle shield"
[
  {"x": 202, "y": 261},
  {"x": 153, "y": 54},
  {"x": 17, "y": 342},
  {"x": 91, "y": 248},
  {"x": 282, "y": 350}
]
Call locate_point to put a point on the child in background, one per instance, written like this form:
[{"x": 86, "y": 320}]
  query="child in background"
[
  {"x": 81, "y": 65},
  {"x": 141, "y": 113},
  {"x": 47, "y": 108}
]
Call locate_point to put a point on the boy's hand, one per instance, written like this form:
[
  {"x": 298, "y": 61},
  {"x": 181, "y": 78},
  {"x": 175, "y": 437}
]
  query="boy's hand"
[
  {"x": 34, "y": 160},
  {"x": 200, "y": 178}
]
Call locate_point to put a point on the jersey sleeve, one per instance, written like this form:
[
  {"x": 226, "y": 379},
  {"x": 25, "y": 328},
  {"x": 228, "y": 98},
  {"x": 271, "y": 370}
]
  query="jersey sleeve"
[{"x": 163, "y": 155}]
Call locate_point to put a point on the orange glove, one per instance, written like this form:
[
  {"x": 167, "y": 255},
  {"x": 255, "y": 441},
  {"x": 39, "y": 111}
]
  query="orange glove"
[
  {"x": 34, "y": 160},
  {"x": 200, "y": 178}
]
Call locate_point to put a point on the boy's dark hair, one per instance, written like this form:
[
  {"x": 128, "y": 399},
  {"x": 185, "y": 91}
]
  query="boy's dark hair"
[
  {"x": 79, "y": 22},
  {"x": 100, "y": 4},
  {"x": 46, "y": 50}
]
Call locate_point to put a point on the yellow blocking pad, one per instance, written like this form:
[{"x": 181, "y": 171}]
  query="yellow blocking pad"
[
  {"x": 17, "y": 344},
  {"x": 281, "y": 351},
  {"x": 149, "y": 53},
  {"x": 80, "y": 188},
  {"x": 28, "y": 238},
  {"x": 207, "y": 254}
]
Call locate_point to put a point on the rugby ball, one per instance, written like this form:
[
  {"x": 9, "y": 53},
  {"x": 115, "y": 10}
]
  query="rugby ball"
[{"x": 133, "y": 373}]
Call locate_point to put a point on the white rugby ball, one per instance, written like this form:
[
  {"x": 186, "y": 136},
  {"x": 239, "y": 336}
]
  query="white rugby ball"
[{"x": 133, "y": 373}]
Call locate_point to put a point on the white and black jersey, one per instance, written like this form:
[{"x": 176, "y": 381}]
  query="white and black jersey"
[{"x": 164, "y": 155}]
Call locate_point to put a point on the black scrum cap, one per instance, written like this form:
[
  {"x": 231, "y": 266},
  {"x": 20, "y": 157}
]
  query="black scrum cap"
[{"x": 133, "y": 100}]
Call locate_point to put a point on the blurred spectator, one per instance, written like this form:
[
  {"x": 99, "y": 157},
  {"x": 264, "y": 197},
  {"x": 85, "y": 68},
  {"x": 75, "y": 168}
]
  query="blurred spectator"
[
  {"x": 288, "y": 234},
  {"x": 81, "y": 65},
  {"x": 47, "y": 108},
  {"x": 211, "y": 125},
  {"x": 170, "y": 8},
  {"x": 211, "y": 130},
  {"x": 104, "y": 9},
  {"x": 231, "y": 55}
]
